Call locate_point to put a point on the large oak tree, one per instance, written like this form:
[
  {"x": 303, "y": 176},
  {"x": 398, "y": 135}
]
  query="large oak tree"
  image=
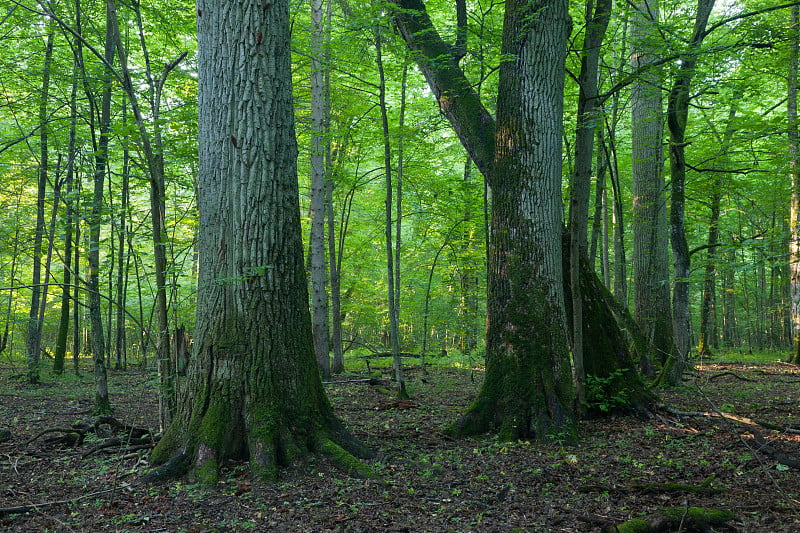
[
  {"x": 253, "y": 389},
  {"x": 528, "y": 387}
]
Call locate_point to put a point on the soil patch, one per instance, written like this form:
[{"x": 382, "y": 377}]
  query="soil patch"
[{"x": 621, "y": 468}]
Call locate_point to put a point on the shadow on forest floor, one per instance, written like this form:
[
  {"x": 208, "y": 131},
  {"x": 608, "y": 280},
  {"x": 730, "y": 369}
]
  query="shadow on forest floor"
[{"x": 429, "y": 482}]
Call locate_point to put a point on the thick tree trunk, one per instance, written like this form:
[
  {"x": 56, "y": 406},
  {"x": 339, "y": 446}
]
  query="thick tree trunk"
[
  {"x": 533, "y": 386},
  {"x": 650, "y": 243},
  {"x": 613, "y": 382},
  {"x": 254, "y": 389},
  {"x": 528, "y": 390}
]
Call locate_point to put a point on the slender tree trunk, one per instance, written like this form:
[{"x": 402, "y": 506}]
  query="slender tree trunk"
[
  {"x": 334, "y": 260},
  {"x": 398, "y": 217},
  {"x": 597, "y": 22},
  {"x": 794, "y": 172},
  {"x": 394, "y": 327},
  {"x": 122, "y": 259},
  {"x": 33, "y": 340},
  {"x": 730, "y": 328},
  {"x": 152, "y": 148},
  {"x": 76, "y": 266},
  {"x": 677, "y": 115},
  {"x": 319, "y": 141},
  {"x": 12, "y": 276},
  {"x": 69, "y": 221},
  {"x": 707, "y": 335},
  {"x": 102, "y": 404},
  {"x": 254, "y": 391}
]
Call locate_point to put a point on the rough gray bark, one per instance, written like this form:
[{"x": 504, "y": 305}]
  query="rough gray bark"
[
  {"x": 516, "y": 379},
  {"x": 253, "y": 387},
  {"x": 528, "y": 387},
  {"x": 319, "y": 147},
  {"x": 650, "y": 243}
]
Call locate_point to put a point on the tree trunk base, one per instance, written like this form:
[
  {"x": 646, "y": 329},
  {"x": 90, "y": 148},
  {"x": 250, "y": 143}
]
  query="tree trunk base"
[{"x": 202, "y": 462}]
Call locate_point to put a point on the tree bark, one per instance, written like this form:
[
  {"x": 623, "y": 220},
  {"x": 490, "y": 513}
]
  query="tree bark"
[
  {"x": 102, "y": 404},
  {"x": 707, "y": 335},
  {"x": 69, "y": 219},
  {"x": 650, "y": 244},
  {"x": 677, "y": 115},
  {"x": 254, "y": 389},
  {"x": 394, "y": 313},
  {"x": 528, "y": 389},
  {"x": 319, "y": 143},
  {"x": 794, "y": 172},
  {"x": 34, "y": 339}
]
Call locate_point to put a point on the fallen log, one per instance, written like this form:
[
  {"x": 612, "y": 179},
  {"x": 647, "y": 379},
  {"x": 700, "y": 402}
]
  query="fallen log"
[
  {"x": 657, "y": 488},
  {"x": 674, "y": 519}
]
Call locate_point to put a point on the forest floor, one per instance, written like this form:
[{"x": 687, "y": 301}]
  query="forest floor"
[{"x": 428, "y": 481}]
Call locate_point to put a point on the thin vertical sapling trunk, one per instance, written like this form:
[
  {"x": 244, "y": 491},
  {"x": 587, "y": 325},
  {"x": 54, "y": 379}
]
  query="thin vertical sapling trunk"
[
  {"x": 794, "y": 173},
  {"x": 33, "y": 340},
  {"x": 394, "y": 327}
]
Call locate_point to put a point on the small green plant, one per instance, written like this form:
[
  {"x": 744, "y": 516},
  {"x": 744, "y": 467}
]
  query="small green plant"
[{"x": 602, "y": 393}]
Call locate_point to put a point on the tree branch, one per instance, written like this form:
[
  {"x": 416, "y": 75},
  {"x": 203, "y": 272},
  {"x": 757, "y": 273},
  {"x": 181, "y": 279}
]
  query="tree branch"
[{"x": 457, "y": 99}]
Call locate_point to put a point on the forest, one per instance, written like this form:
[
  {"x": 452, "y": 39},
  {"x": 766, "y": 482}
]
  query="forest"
[{"x": 401, "y": 265}]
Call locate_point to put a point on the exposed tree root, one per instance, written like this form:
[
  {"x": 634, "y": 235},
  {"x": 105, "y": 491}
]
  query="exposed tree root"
[
  {"x": 202, "y": 462},
  {"x": 115, "y": 432},
  {"x": 675, "y": 519}
]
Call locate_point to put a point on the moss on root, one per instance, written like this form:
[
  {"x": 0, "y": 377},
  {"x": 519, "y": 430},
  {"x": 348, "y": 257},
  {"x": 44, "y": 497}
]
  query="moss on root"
[{"x": 344, "y": 460}]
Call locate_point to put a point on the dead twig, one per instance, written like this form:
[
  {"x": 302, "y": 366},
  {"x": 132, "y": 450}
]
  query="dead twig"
[{"x": 21, "y": 509}]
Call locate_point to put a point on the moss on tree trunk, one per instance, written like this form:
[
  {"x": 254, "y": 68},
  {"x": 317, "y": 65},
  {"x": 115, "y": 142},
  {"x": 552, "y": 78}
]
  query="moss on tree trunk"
[
  {"x": 253, "y": 391},
  {"x": 612, "y": 344}
]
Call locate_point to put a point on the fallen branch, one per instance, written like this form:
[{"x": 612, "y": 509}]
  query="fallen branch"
[
  {"x": 20, "y": 509},
  {"x": 371, "y": 381},
  {"x": 742, "y": 420},
  {"x": 737, "y": 376},
  {"x": 676, "y": 518}
]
